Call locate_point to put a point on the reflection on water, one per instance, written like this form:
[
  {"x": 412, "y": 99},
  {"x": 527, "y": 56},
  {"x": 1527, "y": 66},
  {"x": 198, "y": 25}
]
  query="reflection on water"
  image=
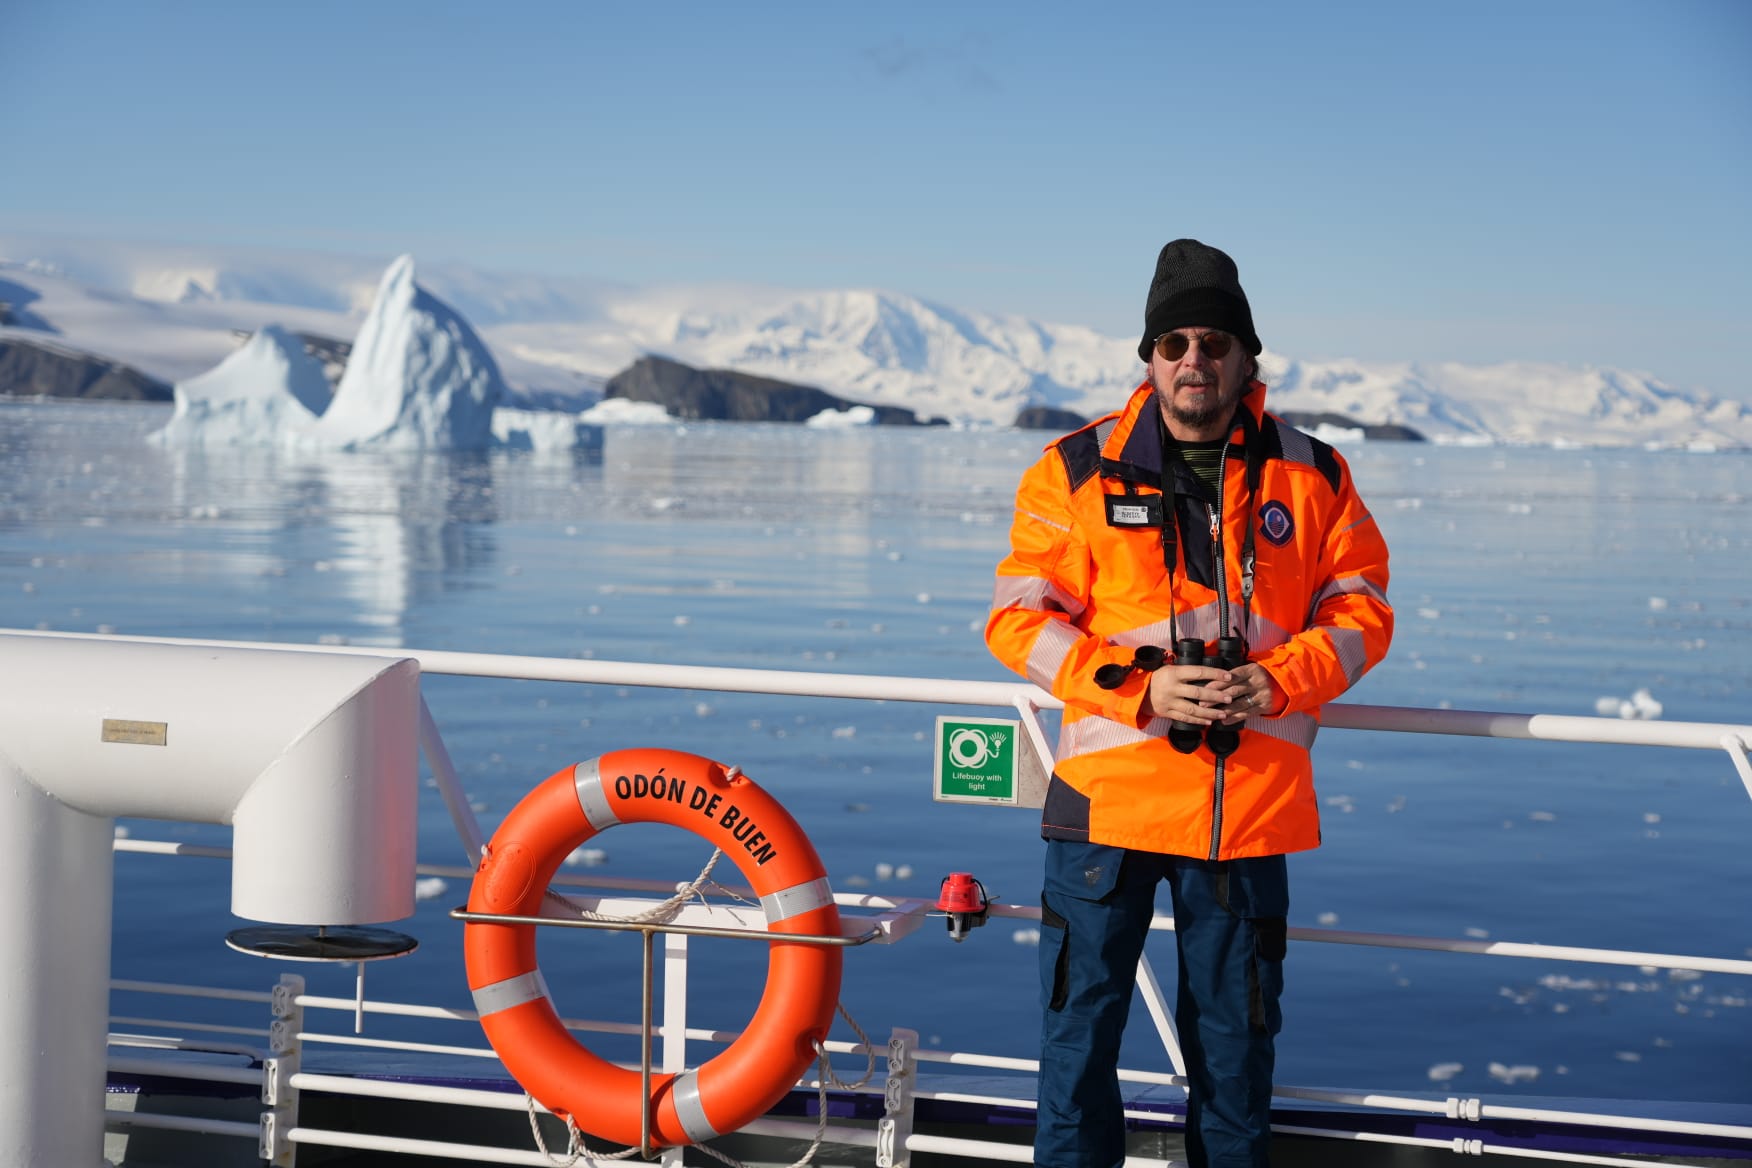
[{"x": 1523, "y": 580}]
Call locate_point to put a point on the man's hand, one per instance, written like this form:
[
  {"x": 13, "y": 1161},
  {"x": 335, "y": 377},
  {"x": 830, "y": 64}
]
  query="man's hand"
[
  {"x": 1189, "y": 693},
  {"x": 1202, "y": 694}
]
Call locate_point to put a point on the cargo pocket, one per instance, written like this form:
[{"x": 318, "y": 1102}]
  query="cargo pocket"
[
  {"x": 1075, "y": 873},
  {"x": 1257, "y": 890},
  {"x": 1054, "y": 988}
]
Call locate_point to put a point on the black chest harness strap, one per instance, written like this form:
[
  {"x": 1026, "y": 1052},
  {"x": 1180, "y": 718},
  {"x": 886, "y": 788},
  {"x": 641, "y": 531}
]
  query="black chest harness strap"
[{"x": 1254, "y": 454}]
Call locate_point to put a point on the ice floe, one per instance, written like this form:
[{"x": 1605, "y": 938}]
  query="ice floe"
[
  {"x": 847, "y": 419},
  {"x": 1640, "y": 705}
]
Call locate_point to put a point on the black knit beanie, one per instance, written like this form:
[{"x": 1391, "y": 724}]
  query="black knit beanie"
[{"x": 1197, "y": 286}]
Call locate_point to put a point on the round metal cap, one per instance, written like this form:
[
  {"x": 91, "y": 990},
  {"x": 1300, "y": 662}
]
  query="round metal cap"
[{"x": 321, "y": 942}]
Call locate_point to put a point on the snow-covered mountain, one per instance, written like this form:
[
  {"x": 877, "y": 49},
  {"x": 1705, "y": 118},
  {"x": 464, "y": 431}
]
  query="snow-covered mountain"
[{"x": 173, "y": 312}]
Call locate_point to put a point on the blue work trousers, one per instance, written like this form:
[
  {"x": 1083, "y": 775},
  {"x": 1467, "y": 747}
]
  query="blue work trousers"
[{"x": 1229, "y": 924}]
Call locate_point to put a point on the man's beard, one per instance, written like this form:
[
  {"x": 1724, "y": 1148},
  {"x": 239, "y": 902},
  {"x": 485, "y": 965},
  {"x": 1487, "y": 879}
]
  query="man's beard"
[{"x": 1216, "y": 409}]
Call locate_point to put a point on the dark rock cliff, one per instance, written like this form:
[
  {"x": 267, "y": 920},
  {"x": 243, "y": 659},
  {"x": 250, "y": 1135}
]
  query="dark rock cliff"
[
  {"x": 31, "y": 369},
  {"x": 722, "y": 394}
]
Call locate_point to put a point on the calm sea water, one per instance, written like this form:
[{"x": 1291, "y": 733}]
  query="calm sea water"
[{"x": 1525, "y": 580}]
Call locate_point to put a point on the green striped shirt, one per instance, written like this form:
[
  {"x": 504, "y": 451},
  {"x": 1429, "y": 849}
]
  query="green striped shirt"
[{"x": 1204, "y": 459}]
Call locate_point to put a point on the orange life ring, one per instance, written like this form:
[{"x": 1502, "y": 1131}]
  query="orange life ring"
[{"x": 729, "y": 811}]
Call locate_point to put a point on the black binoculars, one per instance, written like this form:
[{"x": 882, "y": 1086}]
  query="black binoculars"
[{"x": 1185, "y": 736}]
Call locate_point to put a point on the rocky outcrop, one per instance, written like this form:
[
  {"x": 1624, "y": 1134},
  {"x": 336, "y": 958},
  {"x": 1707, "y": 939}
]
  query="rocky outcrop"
[
  {"x": 34, "y": 369},
  {"x": 725, "y": 395},
  {"x": 1049, "y": 418}
]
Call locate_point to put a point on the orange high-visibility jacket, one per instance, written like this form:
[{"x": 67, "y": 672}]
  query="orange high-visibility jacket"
[{"x": 1086, "y": 582}]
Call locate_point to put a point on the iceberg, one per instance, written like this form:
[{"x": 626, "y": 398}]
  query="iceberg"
[
  {"x": 418, "y": 378},
  {"x": 268, "y": 388}
]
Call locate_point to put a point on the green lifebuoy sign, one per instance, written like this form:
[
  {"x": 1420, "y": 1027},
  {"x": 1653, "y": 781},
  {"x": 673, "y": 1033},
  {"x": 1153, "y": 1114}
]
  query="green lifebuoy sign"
[{"x": 976, "y": 760}]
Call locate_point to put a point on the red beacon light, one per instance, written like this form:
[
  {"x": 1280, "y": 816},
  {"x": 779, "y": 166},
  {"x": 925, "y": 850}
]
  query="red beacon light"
[{"x": 963, "y": 900}]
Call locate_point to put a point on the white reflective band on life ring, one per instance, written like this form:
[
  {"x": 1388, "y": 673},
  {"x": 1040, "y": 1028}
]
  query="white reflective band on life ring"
[
  {"x": 587, "y": 779},
  {"x": 689, "y": 1109},
  {"x": 513, "y": 991},
  {"x": 796, "y": 900}
]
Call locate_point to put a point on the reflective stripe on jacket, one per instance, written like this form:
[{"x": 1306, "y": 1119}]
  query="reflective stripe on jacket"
[{"x": 1085, "y": 583}]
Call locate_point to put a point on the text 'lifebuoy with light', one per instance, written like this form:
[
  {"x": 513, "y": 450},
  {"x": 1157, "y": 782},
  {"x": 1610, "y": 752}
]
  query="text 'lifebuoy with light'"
[{"x": 726, "y": 809}]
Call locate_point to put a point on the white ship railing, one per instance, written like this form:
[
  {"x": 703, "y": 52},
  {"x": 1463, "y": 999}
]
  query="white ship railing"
[{"x": 280, "y": 1081}]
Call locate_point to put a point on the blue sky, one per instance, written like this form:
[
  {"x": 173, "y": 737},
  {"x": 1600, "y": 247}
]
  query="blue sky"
[{"x": 1487, "y": 181}]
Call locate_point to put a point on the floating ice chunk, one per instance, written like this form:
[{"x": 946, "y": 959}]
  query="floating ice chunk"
[
  {"x": 1657, "y": 604},
  {"x": 857, "y": 881},
  {"x": 924, "y": 598},
  {"x": 1327, "y": 918},
  {"x": 1627, "y": 1056},
  {"x": 618, "y": 411},
  {"x": 586, "y": 858},
  {"x": 1026, "y": 936},
  {"x": 703, "y": 710},
  {"x": 845, "y": 731},
  {"x": 846, "y": 419},
  {"x": 543, "y": 430},
  {"x": 430, "y": 887},
  {"x": 1651, "y": 817},
  {"x": 1515, "y": 1074},
  {"x": 1430, "y": 613},
  {"x": 903, "y": 871},
  {"x": 1476, "y": 933},
  {"x": 1442, "y": 1072},
  {"x": 121, "y": 831},
  {"x": 1640, "y": 705},
  {"x": 884, "y": 871},
  {"x": 1542, "y": 816}
]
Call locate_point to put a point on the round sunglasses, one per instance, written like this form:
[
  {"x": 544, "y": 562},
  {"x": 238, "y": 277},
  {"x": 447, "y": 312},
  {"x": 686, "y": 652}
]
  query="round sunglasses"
[{"x": 1215, "y": 345}]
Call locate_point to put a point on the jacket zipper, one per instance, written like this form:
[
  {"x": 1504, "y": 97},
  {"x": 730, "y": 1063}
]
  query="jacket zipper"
[{"x": 1216, "y": 513}]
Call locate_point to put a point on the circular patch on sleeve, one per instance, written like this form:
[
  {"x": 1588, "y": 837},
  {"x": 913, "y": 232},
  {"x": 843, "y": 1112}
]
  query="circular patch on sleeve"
[{"x": 1275, "y": 523}]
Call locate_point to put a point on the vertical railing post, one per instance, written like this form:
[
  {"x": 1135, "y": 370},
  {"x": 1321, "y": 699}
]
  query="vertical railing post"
[
  {"x": 896, "y": 1125},
  {"x": 284, "y": 1053},
  {"x": 674, "y": 1058}
]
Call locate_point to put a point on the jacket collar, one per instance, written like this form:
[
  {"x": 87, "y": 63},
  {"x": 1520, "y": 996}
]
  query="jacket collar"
[{"x": 1136, "y": 442}]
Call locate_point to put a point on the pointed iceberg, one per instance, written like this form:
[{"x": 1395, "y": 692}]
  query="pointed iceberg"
[
  {"x": 267, "y": 389},
  {"x": 418, "y": 378}
]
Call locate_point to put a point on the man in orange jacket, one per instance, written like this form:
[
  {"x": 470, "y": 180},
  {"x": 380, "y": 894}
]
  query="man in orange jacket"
[{"x": 1194, "y": 579}]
